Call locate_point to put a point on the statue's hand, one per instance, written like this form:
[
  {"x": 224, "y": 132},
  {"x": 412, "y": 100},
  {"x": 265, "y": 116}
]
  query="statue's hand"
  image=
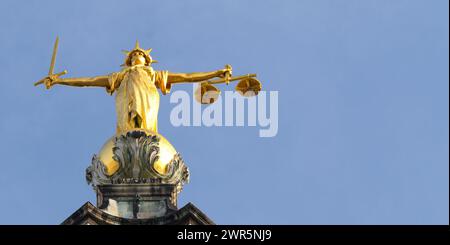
[
  {"x": 51, "y": 80},
  {"x": 227, "y": 71}
]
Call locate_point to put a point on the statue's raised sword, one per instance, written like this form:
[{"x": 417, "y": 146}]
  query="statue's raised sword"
[{"x": 52, "y": 66}]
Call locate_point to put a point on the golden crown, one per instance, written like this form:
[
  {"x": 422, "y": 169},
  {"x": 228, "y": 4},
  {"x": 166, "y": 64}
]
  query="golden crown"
[{"x": 146, "y": 53}]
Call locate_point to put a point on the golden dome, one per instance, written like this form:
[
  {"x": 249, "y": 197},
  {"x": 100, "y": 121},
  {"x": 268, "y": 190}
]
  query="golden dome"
[{"x": 166, "y": 153}]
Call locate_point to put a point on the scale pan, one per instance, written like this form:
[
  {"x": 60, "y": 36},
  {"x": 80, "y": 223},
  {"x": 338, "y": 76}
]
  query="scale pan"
[
  {"x": 248, "y": 87},
  {"x": 206, "y": 93}
]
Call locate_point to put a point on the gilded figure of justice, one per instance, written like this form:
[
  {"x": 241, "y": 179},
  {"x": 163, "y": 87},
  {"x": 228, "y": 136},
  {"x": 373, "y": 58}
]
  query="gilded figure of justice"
[{"x": 137, "y": 153}]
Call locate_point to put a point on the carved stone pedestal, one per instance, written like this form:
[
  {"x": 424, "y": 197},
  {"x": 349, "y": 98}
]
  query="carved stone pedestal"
[
  {"x": 137, "y": 178},
  {"x": 137, "y": 201}
]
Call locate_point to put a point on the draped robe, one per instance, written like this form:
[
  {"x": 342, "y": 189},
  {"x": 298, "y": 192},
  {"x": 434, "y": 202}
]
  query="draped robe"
[{"x": 137, "y": 97}]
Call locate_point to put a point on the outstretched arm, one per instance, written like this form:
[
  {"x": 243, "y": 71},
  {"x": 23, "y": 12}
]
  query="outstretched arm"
[
  {"x": 99, "y": 81},
  {"x": 191, "y": 77},
  {"x": 196, "y": 76}
]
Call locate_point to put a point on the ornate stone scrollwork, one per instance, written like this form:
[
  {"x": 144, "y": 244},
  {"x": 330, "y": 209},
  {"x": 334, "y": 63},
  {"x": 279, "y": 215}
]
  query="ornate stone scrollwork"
[
  {"x": 136, "y": 153},
  {"x": 96, "y": 173}
]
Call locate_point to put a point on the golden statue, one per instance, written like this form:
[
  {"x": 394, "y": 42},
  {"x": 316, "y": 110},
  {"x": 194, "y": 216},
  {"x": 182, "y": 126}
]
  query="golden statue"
[
  {"x": 138, "y": 174},
  {"x": 137, "y": 101},
  {"x": 137, "y": 98}
]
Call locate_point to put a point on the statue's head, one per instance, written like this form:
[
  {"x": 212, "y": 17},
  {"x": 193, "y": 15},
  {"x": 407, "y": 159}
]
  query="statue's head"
[{"x": 138, "y": 56}]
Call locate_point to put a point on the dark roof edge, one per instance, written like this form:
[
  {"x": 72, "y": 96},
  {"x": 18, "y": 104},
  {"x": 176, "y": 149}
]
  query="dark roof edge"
[{"x": 91, "y": 211}]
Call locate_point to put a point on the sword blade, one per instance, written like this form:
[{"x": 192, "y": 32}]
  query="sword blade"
[{"x": 52, "y": 63}]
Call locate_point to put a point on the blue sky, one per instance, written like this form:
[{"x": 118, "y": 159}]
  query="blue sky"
[{"x": 363, "y": 106}]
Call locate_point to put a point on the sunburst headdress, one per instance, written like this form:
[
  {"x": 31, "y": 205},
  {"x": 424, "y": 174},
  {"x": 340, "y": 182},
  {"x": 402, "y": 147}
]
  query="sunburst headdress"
[{"x": 146, "y": 52}]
